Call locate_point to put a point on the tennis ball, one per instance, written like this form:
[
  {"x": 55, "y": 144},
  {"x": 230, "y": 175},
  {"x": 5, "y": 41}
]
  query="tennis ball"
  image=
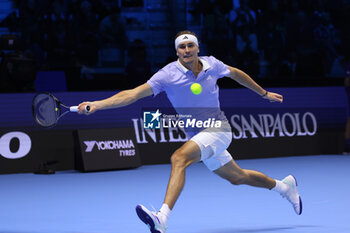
[
  {"x": 196, "y": 88},
  {"x": 56, "y": 109}
]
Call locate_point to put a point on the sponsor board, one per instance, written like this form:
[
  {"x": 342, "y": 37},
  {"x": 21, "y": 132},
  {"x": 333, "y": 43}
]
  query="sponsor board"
[
  {"x": 258, "y": 125},
  {"x": 106, "y": 149},
  {"x": 288, "y": 124},
  {"x": 256, "y": 133},
  {"x": 310, "y": 121},
  {"x": 27, "y": 151},
  {"x": 24, "y": 145}
]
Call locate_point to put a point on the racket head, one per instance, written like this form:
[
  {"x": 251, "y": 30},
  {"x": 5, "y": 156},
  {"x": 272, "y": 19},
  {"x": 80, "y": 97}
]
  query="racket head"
[{"x": 46, "y": 109}]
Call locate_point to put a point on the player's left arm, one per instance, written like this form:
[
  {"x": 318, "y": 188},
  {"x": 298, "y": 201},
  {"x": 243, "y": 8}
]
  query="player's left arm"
[{"x": 245, "y": 80}]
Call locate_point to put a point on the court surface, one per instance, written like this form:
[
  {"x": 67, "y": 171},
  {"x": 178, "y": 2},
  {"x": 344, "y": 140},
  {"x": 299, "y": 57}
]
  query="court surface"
[{"x": 104, "y": 202}]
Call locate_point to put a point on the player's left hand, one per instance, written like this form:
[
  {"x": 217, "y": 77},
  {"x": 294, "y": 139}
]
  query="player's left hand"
[{"x": 273, "y": 97}]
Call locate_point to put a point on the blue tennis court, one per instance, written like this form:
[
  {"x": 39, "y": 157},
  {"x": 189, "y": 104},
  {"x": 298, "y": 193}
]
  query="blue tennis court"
[{"x": 104, "y": 202}]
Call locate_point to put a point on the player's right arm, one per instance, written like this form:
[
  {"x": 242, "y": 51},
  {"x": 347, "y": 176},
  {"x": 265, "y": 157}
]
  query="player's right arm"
[{"x": 120, "y": 99}]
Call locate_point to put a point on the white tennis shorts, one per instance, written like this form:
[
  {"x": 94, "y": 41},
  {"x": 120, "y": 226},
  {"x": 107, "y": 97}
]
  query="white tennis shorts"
[{"x": 213, "y": 145}]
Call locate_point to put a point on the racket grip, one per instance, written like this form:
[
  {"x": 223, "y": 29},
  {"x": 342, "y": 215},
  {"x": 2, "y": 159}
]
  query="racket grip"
[{"x": 75, "y": 108}]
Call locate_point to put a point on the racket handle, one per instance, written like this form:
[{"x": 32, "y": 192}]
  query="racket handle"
[{"x": 75, "y": 108}]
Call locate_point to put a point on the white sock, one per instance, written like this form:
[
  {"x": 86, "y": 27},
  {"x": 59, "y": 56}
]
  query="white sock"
[
  {"x": 164, "y": 212},
  {"x": 280, "y": 187}
]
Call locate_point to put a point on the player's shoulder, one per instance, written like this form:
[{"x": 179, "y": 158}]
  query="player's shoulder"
[
  {"x": 213, "y": 62},
  {"x": 169, "y": 68},
  {"x": 165, "y": 71},
  {"x": 210, "y": 59}
]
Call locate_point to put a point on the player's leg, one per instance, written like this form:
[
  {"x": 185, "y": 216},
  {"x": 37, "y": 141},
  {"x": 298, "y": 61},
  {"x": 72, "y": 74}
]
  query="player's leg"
[
  {"x": 236, "y": 175},
  {"x": 183, "y": 157}
]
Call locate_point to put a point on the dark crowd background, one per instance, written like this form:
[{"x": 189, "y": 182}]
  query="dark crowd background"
[{"x": 117, "y": 44}]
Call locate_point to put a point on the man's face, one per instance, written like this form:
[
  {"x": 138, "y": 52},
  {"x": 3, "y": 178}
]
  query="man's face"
[{"x": 187, "y": 52}]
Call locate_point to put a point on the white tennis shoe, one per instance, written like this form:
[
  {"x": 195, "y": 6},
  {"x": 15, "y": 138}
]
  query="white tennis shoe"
[
  {"x": 292, "y": 194},
  {"x": 151, "y": 219}
]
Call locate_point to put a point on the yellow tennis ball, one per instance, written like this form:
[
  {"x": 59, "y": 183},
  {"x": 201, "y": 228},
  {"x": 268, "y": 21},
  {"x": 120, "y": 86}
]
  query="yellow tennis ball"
[
  {"x": 196, "y": 88},
  {"x": 56, "y": 109}
]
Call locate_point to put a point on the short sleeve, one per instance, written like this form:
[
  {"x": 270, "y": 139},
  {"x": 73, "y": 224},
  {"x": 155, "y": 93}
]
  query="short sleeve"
[
  {"x": 221, "y": 68},
  {"x": 156, "y": 82}
]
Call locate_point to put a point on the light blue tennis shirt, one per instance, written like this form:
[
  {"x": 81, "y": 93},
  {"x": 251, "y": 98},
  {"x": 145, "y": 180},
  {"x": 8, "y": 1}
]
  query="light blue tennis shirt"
[{"x": 176, "y": 81}]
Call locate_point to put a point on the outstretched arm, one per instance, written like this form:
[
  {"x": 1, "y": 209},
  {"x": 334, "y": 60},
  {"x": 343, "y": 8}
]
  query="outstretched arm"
[
  {"x": 245, "y": 80},
  {"x": 120, "y": 99}
]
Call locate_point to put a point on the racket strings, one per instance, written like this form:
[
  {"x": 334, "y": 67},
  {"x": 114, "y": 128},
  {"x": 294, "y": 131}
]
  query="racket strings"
[{"x": 45, "y": 109}]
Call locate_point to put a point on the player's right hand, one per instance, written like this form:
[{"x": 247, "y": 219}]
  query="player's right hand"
[{"x": 82, "y": 108}]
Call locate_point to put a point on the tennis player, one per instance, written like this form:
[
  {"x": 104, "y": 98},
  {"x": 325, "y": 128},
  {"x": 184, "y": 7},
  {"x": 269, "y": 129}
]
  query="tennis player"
[{"x": 205, "y": 145}]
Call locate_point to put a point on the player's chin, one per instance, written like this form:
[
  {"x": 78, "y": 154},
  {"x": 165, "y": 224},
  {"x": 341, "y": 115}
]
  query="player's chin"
[{"x": 188, "y": 60}]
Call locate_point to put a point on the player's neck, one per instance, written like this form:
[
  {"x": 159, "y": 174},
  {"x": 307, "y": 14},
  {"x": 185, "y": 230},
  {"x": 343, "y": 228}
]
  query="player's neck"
[{"x": 196, "y": 66}]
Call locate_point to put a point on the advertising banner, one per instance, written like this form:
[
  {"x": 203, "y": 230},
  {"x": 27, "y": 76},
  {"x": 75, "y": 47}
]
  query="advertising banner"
[
  {"x": 30, "y": 151},
  {"x": 106, "y": 149},
  {"x": 256, "y": 132},
  {"x": 311, "y": 120}
]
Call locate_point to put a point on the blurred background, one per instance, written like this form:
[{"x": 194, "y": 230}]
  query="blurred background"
[
  {"x": 83, "y": 50},
  {"x": 117, "y": 44}
]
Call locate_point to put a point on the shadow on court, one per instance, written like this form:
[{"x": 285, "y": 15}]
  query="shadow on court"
[
  {"x": 7, "y": 231},
  {"x": 300, "y": 228}
]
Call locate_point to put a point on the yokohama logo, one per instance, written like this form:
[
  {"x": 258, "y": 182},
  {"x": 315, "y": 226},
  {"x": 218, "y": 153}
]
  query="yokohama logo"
[{"x": 109, "y": 145}]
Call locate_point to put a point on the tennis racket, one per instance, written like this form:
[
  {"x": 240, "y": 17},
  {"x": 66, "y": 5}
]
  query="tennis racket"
[{"x": 47, "y": 109}]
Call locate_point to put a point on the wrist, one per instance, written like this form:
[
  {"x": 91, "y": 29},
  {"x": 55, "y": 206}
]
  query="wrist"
[
  {"x": 98, "y": 105},
  {"x": 265, "y": 94}
]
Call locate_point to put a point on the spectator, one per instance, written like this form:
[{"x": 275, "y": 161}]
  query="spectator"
[
  {"x": 273, "y": 44},
  {"x": 220, "y": 34},
  {"x": 11, "y": 22},
  {"x": 86, "y": 33},
  {"x": 287, "y": 67},
  {"x": 113, "y": 41},
  {"x": 59, "y": 46},
  {"x": 347, "y": 89},
  {"x": 112, "y": 30},
  {"x": 308, "y": 57},
  {"x": 243, "y": 15},
  {"x": 326, "y": 40},
  {"x": 18, "y": 72},
  {"x": 138, "y": 69},
  {"x": 247, "y": 50}
]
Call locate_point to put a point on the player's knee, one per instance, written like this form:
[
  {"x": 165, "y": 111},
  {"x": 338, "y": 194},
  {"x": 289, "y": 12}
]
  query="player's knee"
[
  {"x": 179, "y": 159},
  {"x": 235, "y": 181},
  {"x": 238, "y": 179}
]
